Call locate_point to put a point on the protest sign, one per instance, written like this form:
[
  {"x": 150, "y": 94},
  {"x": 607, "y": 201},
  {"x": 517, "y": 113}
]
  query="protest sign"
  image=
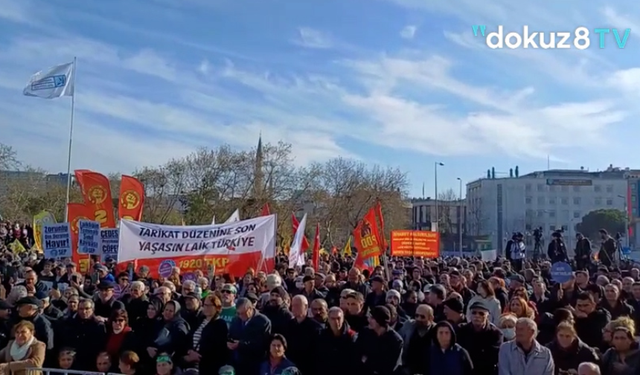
[
  {"x": 88, "y": 237},
  {"x": 417, "y": 243},
  {"x": 56, "y": 240},
  {"x": 561, "y": 272},
  {"x": 230, "y": 247},
  {"x": 109, "y": 243}
]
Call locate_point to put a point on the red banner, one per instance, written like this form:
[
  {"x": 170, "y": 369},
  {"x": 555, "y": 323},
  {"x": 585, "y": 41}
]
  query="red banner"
[
  {"x": 415, "y": 243},
  {"x": 131, "y": 198}
]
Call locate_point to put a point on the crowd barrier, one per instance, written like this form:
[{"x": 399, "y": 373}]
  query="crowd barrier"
[{"x": 59, "y": 371}]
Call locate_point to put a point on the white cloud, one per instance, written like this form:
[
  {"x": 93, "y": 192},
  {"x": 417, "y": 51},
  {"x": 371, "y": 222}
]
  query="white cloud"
[
  {"x": 311, "y": 38},
  {"x": 408, "y": 32},
  {"x": 204, "y": 67}
]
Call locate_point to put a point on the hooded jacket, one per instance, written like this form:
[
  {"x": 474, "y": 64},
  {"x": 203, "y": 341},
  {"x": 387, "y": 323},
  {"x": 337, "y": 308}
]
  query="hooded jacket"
[
  {"x": 570, "y": 358},
  {"x": 453, "y": 360}
]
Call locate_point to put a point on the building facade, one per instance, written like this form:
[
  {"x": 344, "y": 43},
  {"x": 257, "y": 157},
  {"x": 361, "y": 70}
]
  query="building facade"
[
  {"x": 452, "y": 214},
  {"x": 552, "y": 200}
]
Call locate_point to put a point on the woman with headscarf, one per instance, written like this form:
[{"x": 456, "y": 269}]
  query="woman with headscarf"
[{"x": 173, "y": 336}]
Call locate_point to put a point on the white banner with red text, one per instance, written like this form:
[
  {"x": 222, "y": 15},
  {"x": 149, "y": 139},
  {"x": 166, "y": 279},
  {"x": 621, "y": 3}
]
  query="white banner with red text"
[{"x": 226, "y": 248}]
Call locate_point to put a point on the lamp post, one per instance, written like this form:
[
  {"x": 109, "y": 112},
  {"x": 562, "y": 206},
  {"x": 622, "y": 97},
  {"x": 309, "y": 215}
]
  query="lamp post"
[
  {"x": 435, "y": 171},
  {"x": 626, "y": 220},
  {"x": 460, "y": 214}
]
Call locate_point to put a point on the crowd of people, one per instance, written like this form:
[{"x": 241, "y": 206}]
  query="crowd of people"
[{"x": 455, "y": 316}]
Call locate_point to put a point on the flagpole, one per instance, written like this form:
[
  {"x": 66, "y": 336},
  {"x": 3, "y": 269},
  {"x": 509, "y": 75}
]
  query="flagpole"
[{"x": 73, "y": 108}]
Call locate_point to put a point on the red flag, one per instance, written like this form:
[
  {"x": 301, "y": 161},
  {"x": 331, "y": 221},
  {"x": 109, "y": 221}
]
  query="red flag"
[
  {"x": 296, "y": 224},
  {"x": 316, "y": 248},
  {"x": 381, "y": 219},
  {"x": 265, "y": 210}
]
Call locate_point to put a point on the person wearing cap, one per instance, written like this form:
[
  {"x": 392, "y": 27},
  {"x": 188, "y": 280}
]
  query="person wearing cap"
[
  {"x": 309, "y": 289},
  {"x": 378, "y": 296},
  {"x": 29, "y": 309},
  {"x": 454, "y": 312},
  {"x": 277, "y": 311},
  {"x": 106, "y": 301},
  {"x": 380, "y": 345},
  {"x": 104, "y": 274},
  {"x": 48, "y": 310},
  {"x": 229, "y": 293},
  {"x": 481, "y": 339}
]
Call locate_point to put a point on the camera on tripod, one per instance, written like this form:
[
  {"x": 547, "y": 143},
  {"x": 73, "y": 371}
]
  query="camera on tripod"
[{"x": 537, "y": 234}]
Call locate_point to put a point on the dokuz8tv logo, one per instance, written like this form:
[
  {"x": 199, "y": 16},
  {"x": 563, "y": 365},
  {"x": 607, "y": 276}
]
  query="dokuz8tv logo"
[{"x": 578, "y": 38}]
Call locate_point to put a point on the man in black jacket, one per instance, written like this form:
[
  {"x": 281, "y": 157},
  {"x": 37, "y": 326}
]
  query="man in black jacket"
[
  {"x": 583, "y": 252},
  {"x": 86, "y": 334},
  {"x": 302, "y": 334},
  {"x": 481, "y": 339},
  {"x": 106, "y": 301},
  {"x": 379, "y": 347},
  {"x": 249, "y": 336}
]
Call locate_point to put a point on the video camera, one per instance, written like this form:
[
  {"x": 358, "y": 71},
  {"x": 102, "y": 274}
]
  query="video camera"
[{"x": 537, "y": 234}]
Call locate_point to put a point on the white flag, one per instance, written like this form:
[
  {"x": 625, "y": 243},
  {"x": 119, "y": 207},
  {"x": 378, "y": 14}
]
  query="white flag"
[
  {"x": 296, "y": 256},
  {"x": 213, "y": 221},
  {"x": 52, "y": 83},
  {"x": 235, "y": 216}
]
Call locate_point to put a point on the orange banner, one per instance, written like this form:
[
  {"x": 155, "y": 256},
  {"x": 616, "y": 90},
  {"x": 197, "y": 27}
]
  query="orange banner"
[
  {"x": 131, "y": 198},
  {"x": 417, "y": 243},
  {"x": 78, "y": 211},
  {"x": 234, "y": 265},
  {"x": 367, "y": 238},
  {"x": 97, "y": 196}
]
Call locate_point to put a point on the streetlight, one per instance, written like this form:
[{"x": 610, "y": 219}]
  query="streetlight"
[
  {"x": 435, "y": 171},
  {"x": 626, "y": 219},
  {"x": 460, "y": 213}
]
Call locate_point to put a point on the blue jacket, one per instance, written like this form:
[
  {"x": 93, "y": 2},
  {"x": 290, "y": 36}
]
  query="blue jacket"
[
  {"x": 285, "y": 364},
  {"x": 454, "y": 360}
]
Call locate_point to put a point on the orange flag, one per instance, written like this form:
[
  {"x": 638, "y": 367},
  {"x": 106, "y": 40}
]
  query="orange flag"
[
  {"x": 266, "y": 211},
  {"x": 97, "y": 196},
  {"x": 366, "y": 238},
  {"x": 316, "y": 248},
  {"x": 296, "y": 224},
  {"x": 78, "y": 211},
  {"x": 131, "y": 198}
]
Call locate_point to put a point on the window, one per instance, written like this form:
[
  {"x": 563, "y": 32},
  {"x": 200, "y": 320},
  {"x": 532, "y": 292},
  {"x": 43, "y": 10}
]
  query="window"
[
  {"x": 609, "y": 188},
  {"x": 527, "y": 187},
  {"x": 552, "y": 227},
  {"x": 597, "y": 188},
  {"x": 527, "y": 227},
  {"x": 633, "y": 186},
  {"x": 552, "y": 201},
  {"x": 576, "y": 189},
  {"x": 552, "y": 188},
  {"x": 565, "y": 227},
  {"x": 541, "y": 200},
  {"x": 633, "y": 198},
  {"x": 576, "y": 200},
  {"x": 634, "y": 211},
  {"x": 565, "y": 214},
  {"x": 552, "y": 214},
  {"x": 540, "y": 187},
  {"x": 540, "y": 213},
  {"x": 528, "y": 200},
  {"x": 564, "y": 200},
  {"x": 598, "y": 201},
  {"x": 564, "y": 189},
  {"x": 576, "y": 214},
  {"x": 609, "y": 202}
]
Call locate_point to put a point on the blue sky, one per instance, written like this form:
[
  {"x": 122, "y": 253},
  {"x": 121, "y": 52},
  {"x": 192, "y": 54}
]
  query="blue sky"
[{"x": 394, "y": 82}]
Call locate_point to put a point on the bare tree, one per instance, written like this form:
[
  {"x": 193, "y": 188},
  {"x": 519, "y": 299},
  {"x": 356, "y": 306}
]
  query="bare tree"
[
  {"x": 447, "y": 202},
  {"x": 8, "y": 158}
]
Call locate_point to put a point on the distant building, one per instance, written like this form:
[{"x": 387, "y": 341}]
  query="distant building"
[
  {"x": 553, "y": 199},
  {"x": 7, "y": 178},
  {"x": 452, "y": 217}
]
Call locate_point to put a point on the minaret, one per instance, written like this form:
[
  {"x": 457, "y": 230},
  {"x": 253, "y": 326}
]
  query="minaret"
[{"x": 258, "y": 175}]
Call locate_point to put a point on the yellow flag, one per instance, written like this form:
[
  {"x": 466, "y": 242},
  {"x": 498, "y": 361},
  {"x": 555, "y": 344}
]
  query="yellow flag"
[
  {"x": 16, "y": 247},
  {"x": 323, "y": 252},
  {"x": 347, "y": 248},
  {"x": 39, "y": 221}
]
